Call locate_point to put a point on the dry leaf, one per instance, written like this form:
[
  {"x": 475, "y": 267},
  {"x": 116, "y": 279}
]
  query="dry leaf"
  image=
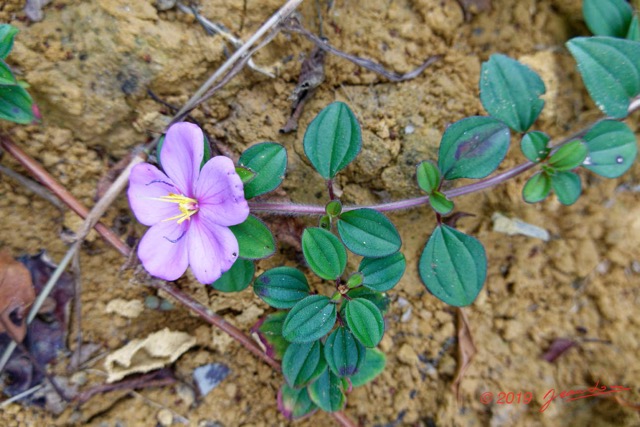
[
  {"x": 157, "y": 350},
  {"x": 466, "y": 350},
  {"x": 129, "y": 309},
  {"x": 16, "y": 295}
]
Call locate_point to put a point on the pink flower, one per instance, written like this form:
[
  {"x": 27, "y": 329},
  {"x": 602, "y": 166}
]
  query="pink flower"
[{"x": 189, "y": 210}]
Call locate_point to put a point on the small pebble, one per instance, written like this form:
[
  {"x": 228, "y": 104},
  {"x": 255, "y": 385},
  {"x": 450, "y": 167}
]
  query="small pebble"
[{"x": 165, "y": 417}]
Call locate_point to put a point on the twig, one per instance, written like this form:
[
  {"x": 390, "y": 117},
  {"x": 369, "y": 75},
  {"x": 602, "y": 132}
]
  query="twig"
[
  {"x": 19, "y": 396},
  {"x": 294, "y": 25},
  {"x": 77, "y": 305},
  {"x": 157, "y": 378},
  {"x": 213, "y": 28},
  {"x": 276, "y": 18},
  {"x": 33, "y": 186},
  {"x": 43, "y": 176}
]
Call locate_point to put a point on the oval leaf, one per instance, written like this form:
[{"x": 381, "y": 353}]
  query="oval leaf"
[
  {"x": 473, "y": 147},
  {"x": 254, "y": 239},
  {"x": 634, "y": 29},
  {"x": 268, "y": 161},
  {"x": 365, "y": 321},
  {"x": 324, "y": 253},
  {"x": 7, "y": 33},
  {"x": 326, "y": 392},
  {"x": 382, "y": 274},
  {"x": 567, "y": 187},
  {"x": 612, "y": 149},
  {"x": 333, "y": 139},
  {"x": 379, "y": 299},
  {"x": 343, "y": 352},
  {"x": 534, "y": 146},
  {"x": 310, "y": 319},
  {"x": 16, "y": 105},
  {"x": 269, "y": 333},
  {"x": 537, "y": 188},
  {"x": 510, "y": 91},
  {"x": 281, "y": 287},
  {"x": 428, "y": 177},
  {"x": 453, "y": 266},
  {"x": 295, "y": 404},
  {"x": 6, "y": 76},
  {"x": 440, "y": 203},
  {"x": 237, "y": 278},
  {"x": 607, "y": 17},
  {"x": 373, "y": 365},
  {"x": 610, "y": 70},
  {"x": 368, "y": 233},
  {"x": 569, "y": 156},
  {"x": 302, "y": 363}
]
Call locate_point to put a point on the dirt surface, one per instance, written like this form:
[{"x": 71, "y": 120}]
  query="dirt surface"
[{"x": 90, "y": 64}]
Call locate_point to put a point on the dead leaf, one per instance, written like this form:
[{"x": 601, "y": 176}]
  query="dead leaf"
[
  {"x": 16, "y": 295},
  {"x": 143, "y": 355},
  {"x": 466, "y": 350}
]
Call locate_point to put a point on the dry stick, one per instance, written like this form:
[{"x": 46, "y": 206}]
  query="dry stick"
[
  {"x": 276, "y": 18},
  {"x": 294, "y": 25},
  {"x": 77, "y": 310},
  {"x": 33, "y": 186},
  {"x": 43, "y": 176}
]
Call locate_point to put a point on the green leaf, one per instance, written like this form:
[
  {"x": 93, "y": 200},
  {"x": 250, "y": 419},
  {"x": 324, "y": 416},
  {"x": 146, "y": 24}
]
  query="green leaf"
[
  {"x": 295, "y": 404},
  {"x": 333, "y": 139},
  {"x": 510, "y": 91},
  {"x": 6, "y": 76},
  {"x": 382, "y": 274},
  {"x": 355, "y": 280},
  {"x": 365, "y": 321},
  {"x": 303, "y": 363},
  {"x": 310, "y": 319},
  {"x": 453, "y": 266},
  {"x": 343, "y": 352},
  {"x": 473, "y": 147},
  {"x": 281, "y": 287},
  {"x": 373, "y": 365},
  {"x": 269, "y": 332},
  {"x": 205, "y": 157},
  {"x": 324, "y": 253},
  {"x": 325, "y": 222},
  {"x": 246, "y": 175},
  {"x": 428, "y": 177},
  {"x": 16, "y": 105},
  {"x": 607, "y": 17},
  {"x": 440, "y": 203},
  {"x": 567, "y": 187},
  {"x": 379, "y": 299},
  {"x": 537, "y": 188},
  {"x": 569, "y": 156},
  {"x": 326, "y": 392},
  {"x": 534, "y": 146},
  {"x": 7, "y": 33},
  {"x": 368, "y": 233},
  {"x": 612, "y": 148},
  {"x": 254, "y": 239},
  {"x": 634, "y": 30},
  {"x": 610, "y": 69},
  {"x": 237, "y": 278},
  {"x": 269, "y": 162},
  {"x": 333, "y": 208}
]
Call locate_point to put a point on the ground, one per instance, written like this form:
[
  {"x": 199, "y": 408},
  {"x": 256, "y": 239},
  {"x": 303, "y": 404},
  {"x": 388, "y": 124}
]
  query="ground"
[{"x": 90, "y": 64}]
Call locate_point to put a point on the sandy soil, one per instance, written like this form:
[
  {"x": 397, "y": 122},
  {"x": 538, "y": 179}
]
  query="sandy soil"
[{"x": 89, "y": 65}]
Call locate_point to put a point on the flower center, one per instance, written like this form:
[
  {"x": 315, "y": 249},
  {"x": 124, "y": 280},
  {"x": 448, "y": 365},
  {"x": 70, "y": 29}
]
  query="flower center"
[{"x": 188, "y": 207}]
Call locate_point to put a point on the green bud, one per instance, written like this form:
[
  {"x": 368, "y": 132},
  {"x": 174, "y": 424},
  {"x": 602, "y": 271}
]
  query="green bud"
[{"x": 333, "y": 208}]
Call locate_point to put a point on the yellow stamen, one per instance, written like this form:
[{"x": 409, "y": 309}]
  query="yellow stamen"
[{"x": 187, "y": 206}]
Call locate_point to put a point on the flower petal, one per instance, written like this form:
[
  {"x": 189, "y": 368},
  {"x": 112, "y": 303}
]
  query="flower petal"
[
  {"x": 182, "y": 154},
  {"x": 163, "y": 250},
  {"x": 220, "y": 193},
  {"x": 146, "y": 182},
  {"x": 212, "y": 249}
]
